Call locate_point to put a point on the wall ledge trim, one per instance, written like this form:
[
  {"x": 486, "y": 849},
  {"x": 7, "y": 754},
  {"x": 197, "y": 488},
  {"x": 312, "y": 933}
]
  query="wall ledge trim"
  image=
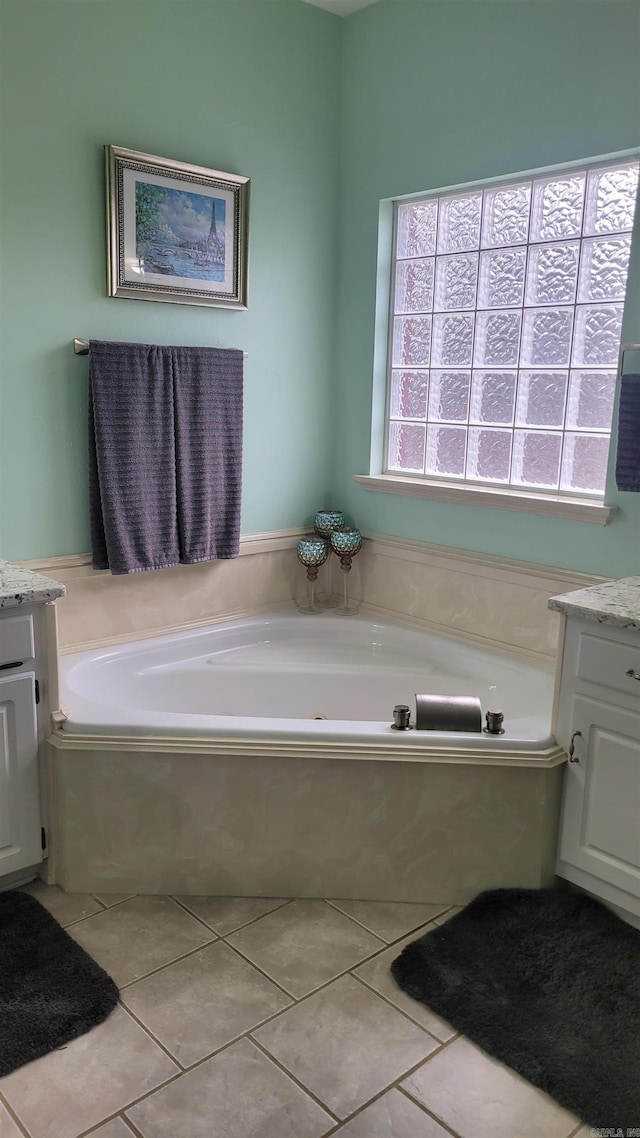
[
  {"x": 480, "y": 564},
  {"x": 552, "y": 505},
  {"x": 249, "y": 543}
]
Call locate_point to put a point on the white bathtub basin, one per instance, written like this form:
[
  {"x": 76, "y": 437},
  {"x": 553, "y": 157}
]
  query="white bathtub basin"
[{"x": 270, "y": 677}]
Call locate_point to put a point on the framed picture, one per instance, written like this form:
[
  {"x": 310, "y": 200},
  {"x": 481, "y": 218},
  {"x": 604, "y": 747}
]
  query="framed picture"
[{"x": 176, "y": 232}]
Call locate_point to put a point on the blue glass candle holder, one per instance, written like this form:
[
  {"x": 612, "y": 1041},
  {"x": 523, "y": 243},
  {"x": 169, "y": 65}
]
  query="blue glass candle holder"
[
  {"x": 324, "y": 523},
  {"x": 312, "y": 553},
  {"x": 346, "y": 542}
]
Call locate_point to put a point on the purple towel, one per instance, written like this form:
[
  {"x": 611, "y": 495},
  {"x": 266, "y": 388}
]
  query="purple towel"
[
  {"x": 628, "y": 454},
  {"x": 165, "y": 455}
]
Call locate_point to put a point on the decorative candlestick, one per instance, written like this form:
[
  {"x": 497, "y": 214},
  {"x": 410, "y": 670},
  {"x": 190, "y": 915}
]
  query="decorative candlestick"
[
  {"x": 346, "y": 542},
  {"x": 312, "y": 552},
  {"x": 324, "y": 523}
]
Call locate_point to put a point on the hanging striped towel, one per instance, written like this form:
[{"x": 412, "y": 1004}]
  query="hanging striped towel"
[
  {"x": 208, "y": 432},
  {"x": 628, "y": 454},
  {"x": 165, "y": 455}
]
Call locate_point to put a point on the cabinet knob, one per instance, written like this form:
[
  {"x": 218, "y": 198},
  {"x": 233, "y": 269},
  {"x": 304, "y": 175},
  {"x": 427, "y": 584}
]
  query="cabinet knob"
[
  {"x": 632, "y": 674},
  {"x": 573, "y": 758}
]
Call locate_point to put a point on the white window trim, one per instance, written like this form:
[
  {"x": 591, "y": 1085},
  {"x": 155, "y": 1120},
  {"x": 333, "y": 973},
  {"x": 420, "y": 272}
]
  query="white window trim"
[
  {"x": 546, "y": 504},
  {"x": 464, "y": 494}
]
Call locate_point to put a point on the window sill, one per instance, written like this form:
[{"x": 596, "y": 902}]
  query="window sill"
[{"x": 550, "y": 506}]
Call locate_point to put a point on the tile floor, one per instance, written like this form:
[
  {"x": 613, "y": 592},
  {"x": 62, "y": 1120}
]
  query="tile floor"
[{"x": 264, "y": 1019}]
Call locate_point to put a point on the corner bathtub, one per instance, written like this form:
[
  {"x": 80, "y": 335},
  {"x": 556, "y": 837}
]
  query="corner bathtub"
[{"x": 205, "y": 762}]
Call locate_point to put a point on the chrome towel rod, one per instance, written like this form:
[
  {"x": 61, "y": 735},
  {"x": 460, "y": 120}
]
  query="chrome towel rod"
[
  {"x": 626, "y": 365},
  {"x": 81, "y": 347}
]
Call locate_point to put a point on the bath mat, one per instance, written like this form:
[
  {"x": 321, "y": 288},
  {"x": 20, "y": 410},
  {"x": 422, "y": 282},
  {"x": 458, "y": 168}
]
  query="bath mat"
[
  {"x": 548, "y": 982},
  {"x": 51, "y": 991}
]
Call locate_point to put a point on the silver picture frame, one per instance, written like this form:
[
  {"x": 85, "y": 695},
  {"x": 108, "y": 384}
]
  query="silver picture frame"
[{"x": 176, "y": 232}]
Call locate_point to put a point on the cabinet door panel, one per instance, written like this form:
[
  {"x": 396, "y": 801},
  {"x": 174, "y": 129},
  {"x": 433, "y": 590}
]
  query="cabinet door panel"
[
  {"x": 19, "y": 782},
  {"x": 601, "y": 812}
]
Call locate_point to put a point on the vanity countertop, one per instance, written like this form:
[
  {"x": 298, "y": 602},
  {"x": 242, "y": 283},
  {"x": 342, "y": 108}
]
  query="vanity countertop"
[
  {"x": 20, "y": 586},
  {"x": 614, "y": 602}
]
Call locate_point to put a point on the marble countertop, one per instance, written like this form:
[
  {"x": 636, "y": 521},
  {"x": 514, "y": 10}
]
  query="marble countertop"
[
  {"x": 23, "y": 587},
  {"x": 615, "y": 602}
]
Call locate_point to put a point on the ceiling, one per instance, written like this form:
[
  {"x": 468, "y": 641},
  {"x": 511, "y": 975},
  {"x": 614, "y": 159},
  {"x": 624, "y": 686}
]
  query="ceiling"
[{"x": 341, "y": 7}]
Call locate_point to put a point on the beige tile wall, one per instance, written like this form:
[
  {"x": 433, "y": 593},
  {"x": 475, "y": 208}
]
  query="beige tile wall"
[
  {"x": 101, "y": 609},
  {"x": 495, "y": 601}
]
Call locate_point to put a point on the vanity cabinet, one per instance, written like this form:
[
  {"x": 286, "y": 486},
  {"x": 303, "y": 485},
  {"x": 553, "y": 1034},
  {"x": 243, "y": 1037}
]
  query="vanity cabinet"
[
  {"x": 27, "y": 661},
  {"x": 21, "y": 845},
  {"x": 598, "y": 724}
]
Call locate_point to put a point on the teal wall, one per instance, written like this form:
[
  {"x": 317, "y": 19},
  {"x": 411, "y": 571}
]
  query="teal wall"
[
  {"x": 440, "y": 93},
  {"x": 237, "y": 85},
  {"x": 327, "y": 117}
]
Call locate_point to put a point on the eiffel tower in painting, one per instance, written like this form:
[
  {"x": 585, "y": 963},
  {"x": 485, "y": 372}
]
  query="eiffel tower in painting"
[{"x": 212, "y": 239}]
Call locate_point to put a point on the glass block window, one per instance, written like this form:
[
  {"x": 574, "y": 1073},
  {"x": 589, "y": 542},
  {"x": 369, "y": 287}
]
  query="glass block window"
[{"x": 507, "y": 307}]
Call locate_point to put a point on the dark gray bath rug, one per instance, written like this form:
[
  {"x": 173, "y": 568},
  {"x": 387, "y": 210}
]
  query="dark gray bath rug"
[
  {"x": 549, "y": 983},
  {"x": 51, "y": 991}
]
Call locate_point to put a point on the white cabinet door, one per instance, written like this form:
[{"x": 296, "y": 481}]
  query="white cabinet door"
[
  {"x": 601, "y": 813},
  {"x": 20, "y": 842}
]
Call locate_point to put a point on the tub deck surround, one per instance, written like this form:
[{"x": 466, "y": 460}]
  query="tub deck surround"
[
  {"x": 19, "y": 586},
  {"x": 616, "y": 603},
  {"x": 239, "y": 825}
]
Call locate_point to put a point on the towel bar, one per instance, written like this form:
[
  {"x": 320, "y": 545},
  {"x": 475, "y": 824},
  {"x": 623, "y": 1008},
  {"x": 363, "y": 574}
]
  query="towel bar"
[
  {"x": 626, "y": 366},
  {"x": 81, "y": 347}
]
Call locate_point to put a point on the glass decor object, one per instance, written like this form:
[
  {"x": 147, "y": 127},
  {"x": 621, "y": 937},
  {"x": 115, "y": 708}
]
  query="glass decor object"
[
  {"x": 324, "y": 524},
  {"x": 506, "y": 317},
  {"x": 326, "y": 521},
  {"x": 312, "y": 552},
  {"x": 346, "y": 543}
]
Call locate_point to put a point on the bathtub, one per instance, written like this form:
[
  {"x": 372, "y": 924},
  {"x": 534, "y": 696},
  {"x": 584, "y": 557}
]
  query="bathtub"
[
  {"x": 256, "y": 757},
  {"x": 306, "y": 679}
]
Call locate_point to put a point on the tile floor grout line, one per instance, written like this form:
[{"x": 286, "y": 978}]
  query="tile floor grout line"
[
  {"x": 199, "y": 1062},
  {"x": 161, "y": 967},
  {"x": 216, "y": 1051},
  {"x": 306, "y": 995},
  {"x": 429, "y": 1113},
  {"x": 13, "y": 1116},
  {"x": 336, "y": 908},
  {"x": 395, "y": 1007},
  {"x": 345, "y": 972},
  {"x": 395, "y": 1086},
  {"x": 248, "y": 1035},
  {"x": 105, "y": 1121},
  {"x": 294, "y": 1079},
  {"x": 181, "y": 1073},
  {"x": 369, "y": 1102},
  {"x": 154, "y": 1038},
  {"x": 389, "y": 943},
  {"x": 253, "y": 921},
  {"x": 276, "y": 984},
  {"x": 416, "y": 1101},
  {"x": 194, "y": 916}
]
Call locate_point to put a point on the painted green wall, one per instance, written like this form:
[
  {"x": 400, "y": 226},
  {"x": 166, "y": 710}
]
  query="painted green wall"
[
  {"x": 327, "y": 117},
  {"x": 238, "y": 85},
  {"x": 440, "y": 93}
]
